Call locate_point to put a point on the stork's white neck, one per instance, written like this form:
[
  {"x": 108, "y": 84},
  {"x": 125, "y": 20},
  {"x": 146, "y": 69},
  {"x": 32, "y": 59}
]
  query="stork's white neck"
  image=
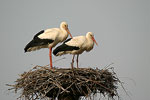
[
  {"x": 63, "y": 29},
  {"x": 63, "y": 35},
  {"x": 89, "y": 39},
  {"x": 89, "y": 43}
]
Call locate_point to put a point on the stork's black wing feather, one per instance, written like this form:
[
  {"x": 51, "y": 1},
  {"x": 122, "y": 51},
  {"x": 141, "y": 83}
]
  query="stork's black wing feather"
[
  {"x": 36, "y": 36},
  {"x": 37, "y": 42},
  {"x": 67, "y": 40},
  {"x": 64, "y": 48}
]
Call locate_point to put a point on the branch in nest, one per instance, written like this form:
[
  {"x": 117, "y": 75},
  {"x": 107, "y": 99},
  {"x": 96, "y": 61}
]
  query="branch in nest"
[{"x": 42, "y": 82}]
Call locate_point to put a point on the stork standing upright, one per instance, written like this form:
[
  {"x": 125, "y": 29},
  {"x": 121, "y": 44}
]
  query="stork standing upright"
[
  {"x": 76, "y": 46},
  {"x": 48, "y": 38}
]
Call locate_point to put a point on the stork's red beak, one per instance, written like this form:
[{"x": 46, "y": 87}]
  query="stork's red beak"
[
  {"x": 68, "y": 32},
  {"x": 94, "y": 41}
]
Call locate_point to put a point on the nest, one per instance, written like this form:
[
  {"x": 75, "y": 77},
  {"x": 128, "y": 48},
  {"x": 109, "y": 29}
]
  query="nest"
[{"x": 41, "y": 82}]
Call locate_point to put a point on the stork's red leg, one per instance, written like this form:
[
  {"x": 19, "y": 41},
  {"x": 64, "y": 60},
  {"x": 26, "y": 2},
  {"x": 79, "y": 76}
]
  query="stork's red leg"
[
  {"x": 77, "y": 61},
  {"x": 50, "y": 57}
]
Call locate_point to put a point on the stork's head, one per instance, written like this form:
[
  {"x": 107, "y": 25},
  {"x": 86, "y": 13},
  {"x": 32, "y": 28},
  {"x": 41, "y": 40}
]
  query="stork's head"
[
  {"x": 91, "y": 35},
  {"x": 64, "y": 25}
]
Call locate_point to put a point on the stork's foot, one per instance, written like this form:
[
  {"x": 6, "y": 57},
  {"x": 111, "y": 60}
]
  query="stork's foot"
[
  {"x": 77, "y": 61},
  {"x": 51, "y": 67},
  {"x": 72, "y": 64},
  {"x": 77, "y": 66}
]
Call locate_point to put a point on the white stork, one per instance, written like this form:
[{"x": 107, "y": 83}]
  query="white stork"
[
  {"x": 48, "y": 39},
  {"x": 76, "y": 46}
]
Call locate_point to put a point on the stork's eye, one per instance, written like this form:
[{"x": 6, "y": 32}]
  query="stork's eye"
[{"x": 64, "y": 26}]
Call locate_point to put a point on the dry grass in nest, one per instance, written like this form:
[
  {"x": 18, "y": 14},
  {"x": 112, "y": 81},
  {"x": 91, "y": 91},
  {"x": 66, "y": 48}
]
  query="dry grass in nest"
[{"x": 41, "y": 82}]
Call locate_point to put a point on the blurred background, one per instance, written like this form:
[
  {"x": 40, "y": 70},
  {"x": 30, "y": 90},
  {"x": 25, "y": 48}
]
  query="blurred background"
[{"x": 121, "y": 28}]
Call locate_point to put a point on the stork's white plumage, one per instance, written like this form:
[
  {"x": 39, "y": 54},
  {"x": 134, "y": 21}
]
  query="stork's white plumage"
[
  {"x": 49, "y": 38},
  {"x": 76, "y": 46}
]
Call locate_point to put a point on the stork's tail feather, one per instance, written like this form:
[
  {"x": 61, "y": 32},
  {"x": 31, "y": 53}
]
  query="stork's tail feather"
[{"x": 29, "y": 45}]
